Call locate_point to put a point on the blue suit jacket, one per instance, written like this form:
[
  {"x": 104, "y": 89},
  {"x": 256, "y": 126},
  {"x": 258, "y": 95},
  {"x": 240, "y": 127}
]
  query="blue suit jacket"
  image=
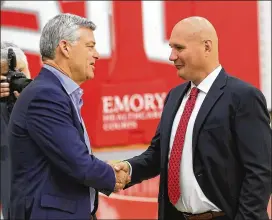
[{"x": 51, "y": 167}]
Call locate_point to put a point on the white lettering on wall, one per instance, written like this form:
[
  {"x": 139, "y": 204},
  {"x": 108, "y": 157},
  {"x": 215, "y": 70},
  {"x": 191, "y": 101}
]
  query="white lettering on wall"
[
  {"x": 155, "y": 44},
  {"x": 99, "y": 12},
  {"x": 123, "y": 113},
  {"x": 133, "y": 103},
  {"x": 27, "y": 39}
]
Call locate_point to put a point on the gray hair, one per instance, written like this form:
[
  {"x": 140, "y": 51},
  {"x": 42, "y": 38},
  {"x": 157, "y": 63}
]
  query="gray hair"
[
  {"x": 6, "y": 44},
  {"x": 20, "y": 55},
  {"x": 61, "y": 27}
]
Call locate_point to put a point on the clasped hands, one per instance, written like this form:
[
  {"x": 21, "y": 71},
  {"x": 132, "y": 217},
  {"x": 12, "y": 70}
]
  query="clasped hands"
[{"x": 122, "y": 171}]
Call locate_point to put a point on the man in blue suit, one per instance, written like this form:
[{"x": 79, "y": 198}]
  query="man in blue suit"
[{"x": 54, "y": 174}]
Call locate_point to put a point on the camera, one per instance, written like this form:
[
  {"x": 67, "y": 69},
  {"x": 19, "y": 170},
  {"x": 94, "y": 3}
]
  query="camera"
[{"x": 17, "y": 80}]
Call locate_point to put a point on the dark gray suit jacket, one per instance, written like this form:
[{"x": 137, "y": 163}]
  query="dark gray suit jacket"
[{"x": 231, "y": 149}]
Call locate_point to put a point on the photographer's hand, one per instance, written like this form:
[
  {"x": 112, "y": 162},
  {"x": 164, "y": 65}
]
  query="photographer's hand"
[
  {"x": 16, "y": 94},
  {"x": 5, "y": 88},
  {"x": 4, "y": 92}
]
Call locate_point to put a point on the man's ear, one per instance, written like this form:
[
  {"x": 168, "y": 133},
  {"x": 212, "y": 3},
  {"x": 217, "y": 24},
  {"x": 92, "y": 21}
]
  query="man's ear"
[
  {"x": 65, "y": 48},
  {"x": 208, "y": 45}
]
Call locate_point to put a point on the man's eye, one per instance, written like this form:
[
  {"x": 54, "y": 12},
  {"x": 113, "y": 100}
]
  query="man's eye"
[{"x": 179, "y": 48}]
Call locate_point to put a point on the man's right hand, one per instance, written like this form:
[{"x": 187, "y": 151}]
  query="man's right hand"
[
  {"x": 121, "y": 173},
  {"x": 122, "y": 179},
  {"x": 122, "y": 166}
]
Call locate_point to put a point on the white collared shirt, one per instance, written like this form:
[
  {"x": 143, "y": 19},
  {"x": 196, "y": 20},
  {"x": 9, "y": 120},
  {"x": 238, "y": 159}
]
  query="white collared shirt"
[{"x": 192, "y": 198}]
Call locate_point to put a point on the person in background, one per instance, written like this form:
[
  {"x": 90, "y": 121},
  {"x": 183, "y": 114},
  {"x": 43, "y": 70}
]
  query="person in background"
[{"x": 22, "y": 66}]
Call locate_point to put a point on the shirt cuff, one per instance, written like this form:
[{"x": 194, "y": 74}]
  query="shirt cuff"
[{"x": 130, "y": 167}]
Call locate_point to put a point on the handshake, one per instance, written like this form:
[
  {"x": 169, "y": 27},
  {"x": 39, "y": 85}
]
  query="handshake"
[{"x": 122, "y": 174}]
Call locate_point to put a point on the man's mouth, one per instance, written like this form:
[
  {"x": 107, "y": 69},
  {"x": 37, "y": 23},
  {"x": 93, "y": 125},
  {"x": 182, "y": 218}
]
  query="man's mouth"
[
  {"x": 92, "y": 64},
  {"x": 179, "y": 66}
]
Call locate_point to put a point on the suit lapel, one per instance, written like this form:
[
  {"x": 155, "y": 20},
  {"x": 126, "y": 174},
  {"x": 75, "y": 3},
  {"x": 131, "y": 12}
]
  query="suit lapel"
[
  {"x": 46, "y": 74},
  {"x": 213, "y": 95}
]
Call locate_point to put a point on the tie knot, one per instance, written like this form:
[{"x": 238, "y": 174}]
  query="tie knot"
[{"x": 194, "y": 92}]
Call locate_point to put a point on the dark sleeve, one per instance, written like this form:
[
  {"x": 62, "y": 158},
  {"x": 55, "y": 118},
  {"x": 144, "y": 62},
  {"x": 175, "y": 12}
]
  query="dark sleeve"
[
  {"x": 147, "y": 165},
  {"x": 11, "y": 99},
  {"x": 50, "y": 125},
  {"x": 253, "y": 138}
]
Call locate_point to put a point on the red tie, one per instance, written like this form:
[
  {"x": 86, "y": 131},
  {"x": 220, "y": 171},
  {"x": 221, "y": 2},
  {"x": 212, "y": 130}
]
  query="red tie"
[{"x": 175, "y": 156}]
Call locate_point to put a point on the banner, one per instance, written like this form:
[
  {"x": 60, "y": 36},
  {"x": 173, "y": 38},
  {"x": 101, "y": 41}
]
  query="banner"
[{"x": 124, "y": 101}]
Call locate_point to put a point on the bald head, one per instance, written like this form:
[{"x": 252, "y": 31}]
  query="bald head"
[
  {"x": 197, "y": 28},
  {"x": 194, "y": 46}
]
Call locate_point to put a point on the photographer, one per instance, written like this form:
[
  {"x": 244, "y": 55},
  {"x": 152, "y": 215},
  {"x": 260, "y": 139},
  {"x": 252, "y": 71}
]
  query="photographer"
[
  {"x": 22, "y": 66},
  {"x": 14, "y": 76}
]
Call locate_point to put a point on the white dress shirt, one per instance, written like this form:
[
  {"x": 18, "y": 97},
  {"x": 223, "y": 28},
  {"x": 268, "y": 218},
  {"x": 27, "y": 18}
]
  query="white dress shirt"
[{"x": 192, "y": 198}]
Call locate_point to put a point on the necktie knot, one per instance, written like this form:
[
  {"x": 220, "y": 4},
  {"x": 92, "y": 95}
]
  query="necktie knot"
[{"x": 194, "y": 92}]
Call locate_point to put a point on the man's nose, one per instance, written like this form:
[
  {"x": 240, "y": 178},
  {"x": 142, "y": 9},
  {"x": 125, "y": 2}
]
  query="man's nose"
[
  {"x": 96, "y": 55},
  {"x": 173, "y": 56}
]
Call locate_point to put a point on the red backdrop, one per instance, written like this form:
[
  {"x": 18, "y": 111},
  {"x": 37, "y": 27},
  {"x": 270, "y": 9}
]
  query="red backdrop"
[{"x": 130, "y": 86}]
